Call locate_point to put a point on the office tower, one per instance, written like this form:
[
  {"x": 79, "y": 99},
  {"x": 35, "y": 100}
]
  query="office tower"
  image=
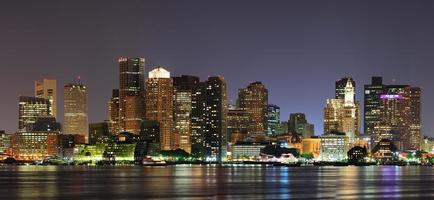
[
  {"x": 237, "y": 122},
  {"x": 159, "y": 104},
  {"x": 30, "y": 108},
  {"x": 75, "y": 110},
  {"x": 183, "y": 88},
  {"x": 47, "y": 89},
  {"x": 5, "y": 141},
  {"x": 113, "y": 113},
  {"x": 99, "y": 133},
  {"x": 372, "y": 101},
  {"x": 306, "y": 130},
  {"x": 340, "y": 86},
  {"x": 333, "y": 116},
  {"x": 131, "y": 84},
  {"x": 400, "y": 117},
  {"x": 273, "y": 119},
  {"x": 415, "y": 135},
  {"x": 134, "y": 114},
  {"x": 209, "y": 119},
  {"x": 294, "y": 120},
  {"x": 254, "y": 99}
]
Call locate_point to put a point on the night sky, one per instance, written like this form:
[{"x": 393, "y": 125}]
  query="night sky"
[{"x": 298, "y": 49}]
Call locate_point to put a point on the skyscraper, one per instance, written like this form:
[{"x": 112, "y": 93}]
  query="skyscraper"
[
  {"x": 349, "y": 113},
  {"x": 75, "y": 110},
  {"x": 131, "y": 84},
  {"x": 47, "y": 88},
  {"x": 294, "y": 120},
  {"x": 134, "y": 114},
  {"x": 273, "y": 119},
  {"x": 209, "y": 119},
  {"x": 372, "y": 101},
  {"x": 30, "y": 108},
  {"x": 183, "y": 88},
  {"x": 237, "y": 121},
  {"x": 113, "y": 112},
  {"x": 254, "y": 99},
  {"x": 159, "y": 104}
]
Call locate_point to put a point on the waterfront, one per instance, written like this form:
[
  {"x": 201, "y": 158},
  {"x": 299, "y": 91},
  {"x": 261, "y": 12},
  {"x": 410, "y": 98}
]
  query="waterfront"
[{"x": 215, "y": 182}]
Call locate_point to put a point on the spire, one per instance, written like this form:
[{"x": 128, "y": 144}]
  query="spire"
[{"x": 349, "y": 93}]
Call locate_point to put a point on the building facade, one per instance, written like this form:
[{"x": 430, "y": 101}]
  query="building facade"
[
  {"x": 254, "y": 99},
  {"x": 75, "y": 119},
  {"x": 47, "y": 88},
  {"x": 113, "y": 112},
  {"x": 30, "y": 108},
  {"x": 159, "y": 104},
  {"x": 273, "y": 119}
]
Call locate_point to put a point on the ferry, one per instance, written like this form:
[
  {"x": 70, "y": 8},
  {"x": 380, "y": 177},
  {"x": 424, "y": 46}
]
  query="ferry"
[{"x": 152, "y": 162}]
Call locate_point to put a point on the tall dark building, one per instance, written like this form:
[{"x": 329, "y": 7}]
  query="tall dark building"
[
  {"x": 183, "y": 88},
  {"x": 209, "y": 119},
  {"x": 113, "y": 112},
  {"x": 99, "y": 133},
  {"x": 294, "y": 120},
  {"x": 340, "y": 87},
  {"x": 45, "y": 123},
  {"x": 372, "y": 112},
  {"x": 273, "y": 119},
  {"x": 131, "y": 84}
]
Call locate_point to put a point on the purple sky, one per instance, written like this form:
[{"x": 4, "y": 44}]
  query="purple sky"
[{"x": 296, "y": 48}]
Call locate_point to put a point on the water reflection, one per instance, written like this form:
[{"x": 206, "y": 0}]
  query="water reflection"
[{"x": 216, "y": 182}]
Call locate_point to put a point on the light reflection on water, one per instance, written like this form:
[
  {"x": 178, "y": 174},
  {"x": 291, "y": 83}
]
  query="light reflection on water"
[{"x": 215, "y": 182}]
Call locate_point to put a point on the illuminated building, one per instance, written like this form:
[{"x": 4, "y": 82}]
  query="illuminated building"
[
  {"x": 75, "y": 110},
  {"x": 254, "y": 99},
  {"x": 113, "y": 112},
  {"x": 31, "y": 108},
  {"x": 47, "y": 88},
  {"x": 428, "y": 144},
  {"x": 341, "y": 87},
  {"x": 247, "y": 150},
  {"x": 131, "y": 84},
  {"x": 159, "y": 104},
  {"x": 372, "y": 101},
  {"x": 342, "y": 114},
  {"x": 209, "y": 119},
  {"x": 35, "y": 145},
  {"x": 333, "y": 115},
  {"x": 183, "y": 88},
  {"x": 400, "y": 117},
  {"x": 273, "y": 119},
  {"x": 334, "y": 147},
  {"x": 311, "y": 145},
  {"x": 134, "y": 114},
  {"x": 385, "y": 151},
  {"x": 357, "y": 154},
  {"x": 238, "y": 121},
  {"x": 5, "y": 141}
]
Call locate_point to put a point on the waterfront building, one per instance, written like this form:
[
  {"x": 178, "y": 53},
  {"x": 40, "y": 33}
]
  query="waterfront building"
[
  {"x": 254, "y": 99},
  {"x": 5, "y": 141},
  {"x": 311, "y": 145},
  {"x": 183, "y": 88},
  {"x": 385, "y": 151},
  {"x": 273, "y": 119},
  {"x": 428, "y": 144},
  {"x": 334, "y": 147},
  {"x": 35, "y": 145},
  {"x": 150, "y": 133},
  {"x": 113, "y": 112},
  {"x": 47, "y": 88},
  {"x": 159, "y": 104},
  {"x": 30, "y": 108},
  {"x": 209, "y": 119},
  {"x": 75, "y": 119},
  {"x": 247, "y": 150},
  {"x": 131, "y": 90}
]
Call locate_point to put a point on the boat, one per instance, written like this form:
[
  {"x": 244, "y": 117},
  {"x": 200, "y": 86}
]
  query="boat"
[{"x": 152, "y": 162}]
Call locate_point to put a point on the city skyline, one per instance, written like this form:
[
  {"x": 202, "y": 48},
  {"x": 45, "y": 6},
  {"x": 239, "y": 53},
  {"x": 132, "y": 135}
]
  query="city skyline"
[{"x": 290, "y": 78}]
